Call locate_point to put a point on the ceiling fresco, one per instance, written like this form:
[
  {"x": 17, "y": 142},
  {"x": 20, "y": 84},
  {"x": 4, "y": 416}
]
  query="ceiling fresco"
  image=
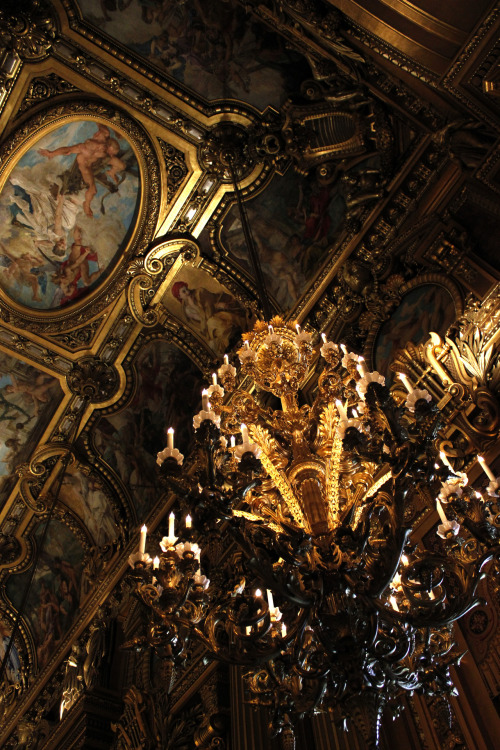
[
  {"x": 84, "y": 496},
  {"x": 125, "y": 276},
  {"x": 28, "y": 400},
  {"x": 54, "y": 597},
  {"x": 214, "y": 48},
  {"x": 202, "y": 303},
  {"x": 68, "y": 206},
  {"x": 295, "y": 221},
  {"x": 428, "y": 307}
]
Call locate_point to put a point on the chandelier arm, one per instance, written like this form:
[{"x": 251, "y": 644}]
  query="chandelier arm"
[
  {"x": 211, "y": 472},
  {"x": 482, "y": 531},
  {"x": 462, "y": 603},
  {"x": 226, "y": 654},
  {"x": 241, "y": 400},
  {"x": 400, "y": 539},
  {"x": 257, "y": 565}
]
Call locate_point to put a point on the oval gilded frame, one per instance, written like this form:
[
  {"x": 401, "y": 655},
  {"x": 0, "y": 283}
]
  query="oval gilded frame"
[{"x": 141, "y": 230}]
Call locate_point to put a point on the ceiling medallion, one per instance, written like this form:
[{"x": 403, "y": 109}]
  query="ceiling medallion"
[
  {"x": 325, "y": 595},
  {"x": 227, "y": 146},
  {"x": 93, "y": 380}
]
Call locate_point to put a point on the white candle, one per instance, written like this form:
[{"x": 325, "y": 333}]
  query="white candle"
[
  {"x": 226, "y": 359},
  {"x": 297, "y": 328},
  {"x": 323, "y": 338},
  {"x": 233, "y": 441},
  {"x": 270, "y": 601},
  {"x": 171, "y": 526},
  {"x": 406, "y": 382},
  {"x": 258, "y": 593},
  {"x": 247, "y": 345},
  {"x": 441, "y": 512},
  {"x": 341, "y": 410},
  {"x": 444, "y": 459},
  {"x": 270, "y": 329},
  {"x": 344, "y": 348},
  {"x": 188, "y": 521},
  {"x": 394, "y": 603},
  {"x": 362, "y": 368},
  {"x": 283, "y": 630},
  {"x": 204, "y": 400},
  {"x": 142, "y": 540},
  {"x": 156, "y": 563},
  {"x": 244, "y": 433},
  {"x": 170, "y": 438},
  {"x": 486, "y": 469},
  {"x": 248, "y": 629},
  {"x": 214, "y": 378}
]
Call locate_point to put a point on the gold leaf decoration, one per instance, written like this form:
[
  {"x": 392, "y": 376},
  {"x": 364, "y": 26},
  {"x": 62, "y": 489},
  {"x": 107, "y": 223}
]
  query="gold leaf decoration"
[{"x": 262, "y": 437}]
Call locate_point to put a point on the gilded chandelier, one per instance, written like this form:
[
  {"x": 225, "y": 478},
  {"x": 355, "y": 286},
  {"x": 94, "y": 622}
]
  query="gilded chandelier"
[{"x": 324, "y": 594}]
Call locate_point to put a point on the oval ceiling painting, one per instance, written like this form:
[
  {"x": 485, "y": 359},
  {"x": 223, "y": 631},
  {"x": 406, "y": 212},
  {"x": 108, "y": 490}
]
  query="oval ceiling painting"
[{"x": 68, "y": 208}]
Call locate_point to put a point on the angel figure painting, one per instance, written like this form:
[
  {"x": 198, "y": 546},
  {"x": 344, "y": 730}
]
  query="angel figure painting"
[{"x": 67, "y": 209}]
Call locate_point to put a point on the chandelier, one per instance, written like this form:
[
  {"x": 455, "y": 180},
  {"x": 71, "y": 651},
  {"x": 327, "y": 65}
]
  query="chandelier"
[{"x": 324, "y": 593}]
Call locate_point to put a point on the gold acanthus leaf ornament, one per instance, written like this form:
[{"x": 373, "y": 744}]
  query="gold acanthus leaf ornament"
[
  {"x": 328, "y": 422},
  {"x": 332, "y": 479},
  {"x": 257, "y": 519},
  {"x": 268, "y": 457}
]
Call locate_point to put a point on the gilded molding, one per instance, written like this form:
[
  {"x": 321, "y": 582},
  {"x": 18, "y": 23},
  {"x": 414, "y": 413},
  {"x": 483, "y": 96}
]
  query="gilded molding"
[{"x": 43, "y": 88}]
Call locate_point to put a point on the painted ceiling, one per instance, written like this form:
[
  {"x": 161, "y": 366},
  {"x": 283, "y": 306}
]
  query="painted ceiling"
[{"x": 124, "y": 271}]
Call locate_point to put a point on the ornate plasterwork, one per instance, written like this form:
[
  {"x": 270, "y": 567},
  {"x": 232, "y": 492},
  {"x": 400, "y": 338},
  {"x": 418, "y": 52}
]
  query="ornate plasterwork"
[
  {"x": 43, "y": 88},
  {"x": 459, "y": 73}
]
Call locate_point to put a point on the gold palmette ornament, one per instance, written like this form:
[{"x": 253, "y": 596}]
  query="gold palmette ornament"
[{"x": 321, "y": 593}]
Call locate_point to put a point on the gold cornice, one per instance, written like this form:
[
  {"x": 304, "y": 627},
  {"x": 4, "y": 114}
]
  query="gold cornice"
[
  {"x": 431, "y": 23},
  {"x": 401, "y": 43}
]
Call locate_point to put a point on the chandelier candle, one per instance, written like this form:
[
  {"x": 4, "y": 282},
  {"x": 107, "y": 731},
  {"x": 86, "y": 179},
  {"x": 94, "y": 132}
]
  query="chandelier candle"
[
  {"x": 142, "y": 539},
  {"x": 486, "y": 469},
  {"x": 442, "y": 514},
  {"x": 362, "y": 368},
  {"x": 171, "y": 527},
  {"x": 406, "y": 382},
  {"x": 444, "y": 459},
  {"x": 341, "y": 410},
  {"x": 170, "y": 438}
]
